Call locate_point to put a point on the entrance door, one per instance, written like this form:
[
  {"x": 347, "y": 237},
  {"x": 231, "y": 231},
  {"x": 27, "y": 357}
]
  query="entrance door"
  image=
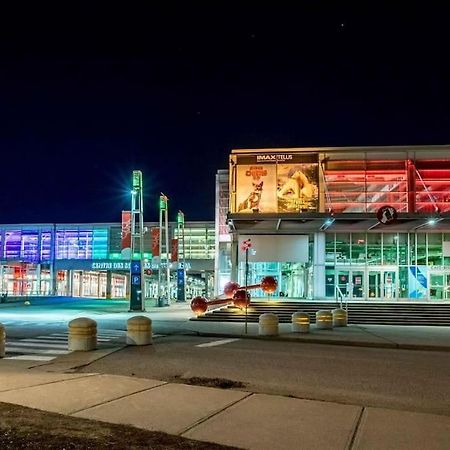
[
  {"x": 382, "y": 284},
  {"x": 437, "y": 286},
  {"x": 350, "y": 283}
]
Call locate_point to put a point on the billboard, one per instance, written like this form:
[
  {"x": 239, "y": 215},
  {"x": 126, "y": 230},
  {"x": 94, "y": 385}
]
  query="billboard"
[{"x": 278, "y": 183}]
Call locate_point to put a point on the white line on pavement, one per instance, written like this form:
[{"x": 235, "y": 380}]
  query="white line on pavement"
[
  {"x": 32, "y": 357},
  {"x": 37, "y": 343},
  {"x": 215, "y": 343},
  {"x": 38, "y": 351}
]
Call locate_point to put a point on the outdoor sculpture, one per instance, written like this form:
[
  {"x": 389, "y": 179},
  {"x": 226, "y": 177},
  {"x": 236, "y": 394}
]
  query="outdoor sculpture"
[{"x": 234, "y": 294}]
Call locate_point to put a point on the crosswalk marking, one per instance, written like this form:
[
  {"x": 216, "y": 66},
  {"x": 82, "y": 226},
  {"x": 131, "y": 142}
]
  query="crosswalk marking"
[
  {"x": 38, "y": 351},
  {"x": 215, "y": 343},
  {"x": 48, "y": 347},
  {"x": 36, "y": 343},
  {"x": 32, "y": 357}
]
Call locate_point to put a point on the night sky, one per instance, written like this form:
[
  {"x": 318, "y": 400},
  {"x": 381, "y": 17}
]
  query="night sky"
[{"x": 89, "y": 94}]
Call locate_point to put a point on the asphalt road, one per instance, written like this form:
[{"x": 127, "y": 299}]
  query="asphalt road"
[
  {"x": 401, "y": 379},
  {"x": 46, "y": 316}
]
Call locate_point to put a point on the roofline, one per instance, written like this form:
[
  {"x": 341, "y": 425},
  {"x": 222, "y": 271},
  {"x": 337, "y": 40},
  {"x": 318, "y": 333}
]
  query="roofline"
[{"x": 445, "y": 147}]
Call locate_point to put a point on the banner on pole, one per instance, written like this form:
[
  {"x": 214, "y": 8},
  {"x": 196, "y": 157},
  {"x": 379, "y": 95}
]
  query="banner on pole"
[
  {"x": 174, "y": 254},
  {"x": 155, "y": 241},
  {"x": 126, "y": 229}
]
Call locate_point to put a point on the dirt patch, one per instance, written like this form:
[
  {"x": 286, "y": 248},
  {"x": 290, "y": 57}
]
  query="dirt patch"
[
  {"x": 24, "y": 428},
  {"x": 221, "y": 383}
]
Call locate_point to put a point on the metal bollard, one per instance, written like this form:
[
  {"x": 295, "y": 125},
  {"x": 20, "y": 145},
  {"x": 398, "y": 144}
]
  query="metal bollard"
[
  {"x": 300, "y": 322},
  {"x": 324, "y": 320},
  {"x": 339, "y": 317},
  {"x": 82, "y": 334},
  {"x": 2, "y": 341},
  {"x": 139, "y": 330},
  {"x": 268, "y": 324}
]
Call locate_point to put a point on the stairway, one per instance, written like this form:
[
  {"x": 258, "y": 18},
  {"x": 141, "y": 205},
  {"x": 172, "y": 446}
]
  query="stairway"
[{"x": 436, "y": 314}]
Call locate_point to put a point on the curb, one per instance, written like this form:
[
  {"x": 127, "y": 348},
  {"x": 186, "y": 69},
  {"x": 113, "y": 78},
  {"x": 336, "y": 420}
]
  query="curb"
[{"x": 389, "y": 345}]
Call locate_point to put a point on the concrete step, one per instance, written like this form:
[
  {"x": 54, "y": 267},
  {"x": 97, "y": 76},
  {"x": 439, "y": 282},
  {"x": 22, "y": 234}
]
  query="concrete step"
[{"x": 363, "y": 313}]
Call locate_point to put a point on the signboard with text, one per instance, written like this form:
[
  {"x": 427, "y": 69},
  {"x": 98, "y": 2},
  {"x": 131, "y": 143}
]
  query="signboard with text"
[{"x": 277, "y": 183}]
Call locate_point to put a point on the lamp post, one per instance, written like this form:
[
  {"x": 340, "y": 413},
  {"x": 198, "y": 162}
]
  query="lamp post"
[
  {"x": 181, "y": 261},
  {"x": 163, "y": 236},
  {"x": 137, "y": 244}
]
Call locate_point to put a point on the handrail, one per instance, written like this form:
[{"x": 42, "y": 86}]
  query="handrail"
[{"x": 342, "y": 297}]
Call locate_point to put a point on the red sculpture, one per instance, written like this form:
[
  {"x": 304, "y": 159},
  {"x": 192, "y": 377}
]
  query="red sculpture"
[
  {"x": 199, "y": 305},
  {"x": 230, "y": 289},
  {"x": 234, "y": 294},
  {"x": 269, "y": 284},
  {"x": 241, "y": 298}
]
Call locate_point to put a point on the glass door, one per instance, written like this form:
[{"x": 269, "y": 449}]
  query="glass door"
[
  {"x": 382, "y": 284},
  {"x": 343, "y": 286},
  {"x": 389, "y": 285},
  {"x": 374, "y": 285},
  {"x": 347, "y": 283},
  {"x": 357, "y": 284},
  {"x": 436, "y": 286}
]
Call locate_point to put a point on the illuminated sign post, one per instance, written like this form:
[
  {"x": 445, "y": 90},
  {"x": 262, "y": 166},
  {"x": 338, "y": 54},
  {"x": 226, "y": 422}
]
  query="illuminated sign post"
[
  {"x": 181, "y": 265},
  {"x": 137, "y": 244},
  {"x": 163, "y": 300}
]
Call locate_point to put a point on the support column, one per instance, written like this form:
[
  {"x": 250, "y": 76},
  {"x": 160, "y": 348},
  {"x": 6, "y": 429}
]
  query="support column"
[
  {"x": 38, "y": 280},
  {"x": 234, "y": 258},
  {"x": 53, "y": 279},
  {"x": 319, "y": 265},
  {"x": 108, "y": 283}
]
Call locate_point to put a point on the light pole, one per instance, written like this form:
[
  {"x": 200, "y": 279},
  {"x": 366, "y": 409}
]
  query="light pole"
[
  {"x": 137, "y": 244},
  {"x": 163, "y": 236}
]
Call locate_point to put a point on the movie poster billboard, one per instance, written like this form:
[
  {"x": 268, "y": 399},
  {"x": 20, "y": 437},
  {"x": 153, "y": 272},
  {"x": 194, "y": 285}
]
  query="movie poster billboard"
[
  {"x": 277, "y": 183},
  {"x": 256, "y": 188},
  {"x": 297, "y": 187}
]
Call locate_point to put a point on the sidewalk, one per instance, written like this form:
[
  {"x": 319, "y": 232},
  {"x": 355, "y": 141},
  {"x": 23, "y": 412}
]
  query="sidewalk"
[{"x": 231, "y": 417}]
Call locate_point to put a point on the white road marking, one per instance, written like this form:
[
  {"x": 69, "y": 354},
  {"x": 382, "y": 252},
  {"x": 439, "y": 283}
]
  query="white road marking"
[
  {"x": 32, "y": 357},
  {"x": 215, "y": 343},
  {"x": 36, "y": 343},
  {"x": 37, "y": 351}
]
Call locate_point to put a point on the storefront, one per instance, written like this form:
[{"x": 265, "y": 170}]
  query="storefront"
[{"x": 364, "y": 224}]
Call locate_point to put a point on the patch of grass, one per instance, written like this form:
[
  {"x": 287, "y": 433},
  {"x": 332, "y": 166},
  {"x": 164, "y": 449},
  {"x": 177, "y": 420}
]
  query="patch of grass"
[{"x": 27, "y": 428}]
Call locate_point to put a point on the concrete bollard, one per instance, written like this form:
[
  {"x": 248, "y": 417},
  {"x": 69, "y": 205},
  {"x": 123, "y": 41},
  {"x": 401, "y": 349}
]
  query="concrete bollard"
[
  {"x": 339, "y": 317},
  {"x": 324, "y": 320},
  {"x": 2, "y": 341},
  {"x": 82, "y": 334},
  {"x": 268, "y": 324},
  {"x": 139, "y": 330},
  {"x": 300, "y": 322}
]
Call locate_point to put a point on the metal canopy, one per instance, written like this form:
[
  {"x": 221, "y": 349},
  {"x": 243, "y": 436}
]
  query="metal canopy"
[{"x": 313, "y": 222}]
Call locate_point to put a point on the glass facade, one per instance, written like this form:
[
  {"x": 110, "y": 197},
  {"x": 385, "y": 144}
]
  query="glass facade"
[
  {"x": 388, "y": 266},
  {"x": 199, "y": 243},
  {"x": 63, "y": 259}
]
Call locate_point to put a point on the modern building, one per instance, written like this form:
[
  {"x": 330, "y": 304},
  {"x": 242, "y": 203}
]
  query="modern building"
[
  {"x": 365, "y": 223},
  {"x": 85, "y": 260}
]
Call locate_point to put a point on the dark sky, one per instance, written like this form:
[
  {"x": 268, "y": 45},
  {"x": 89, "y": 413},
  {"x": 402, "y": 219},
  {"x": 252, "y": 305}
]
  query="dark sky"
[{"x": 87, "y": 94}]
